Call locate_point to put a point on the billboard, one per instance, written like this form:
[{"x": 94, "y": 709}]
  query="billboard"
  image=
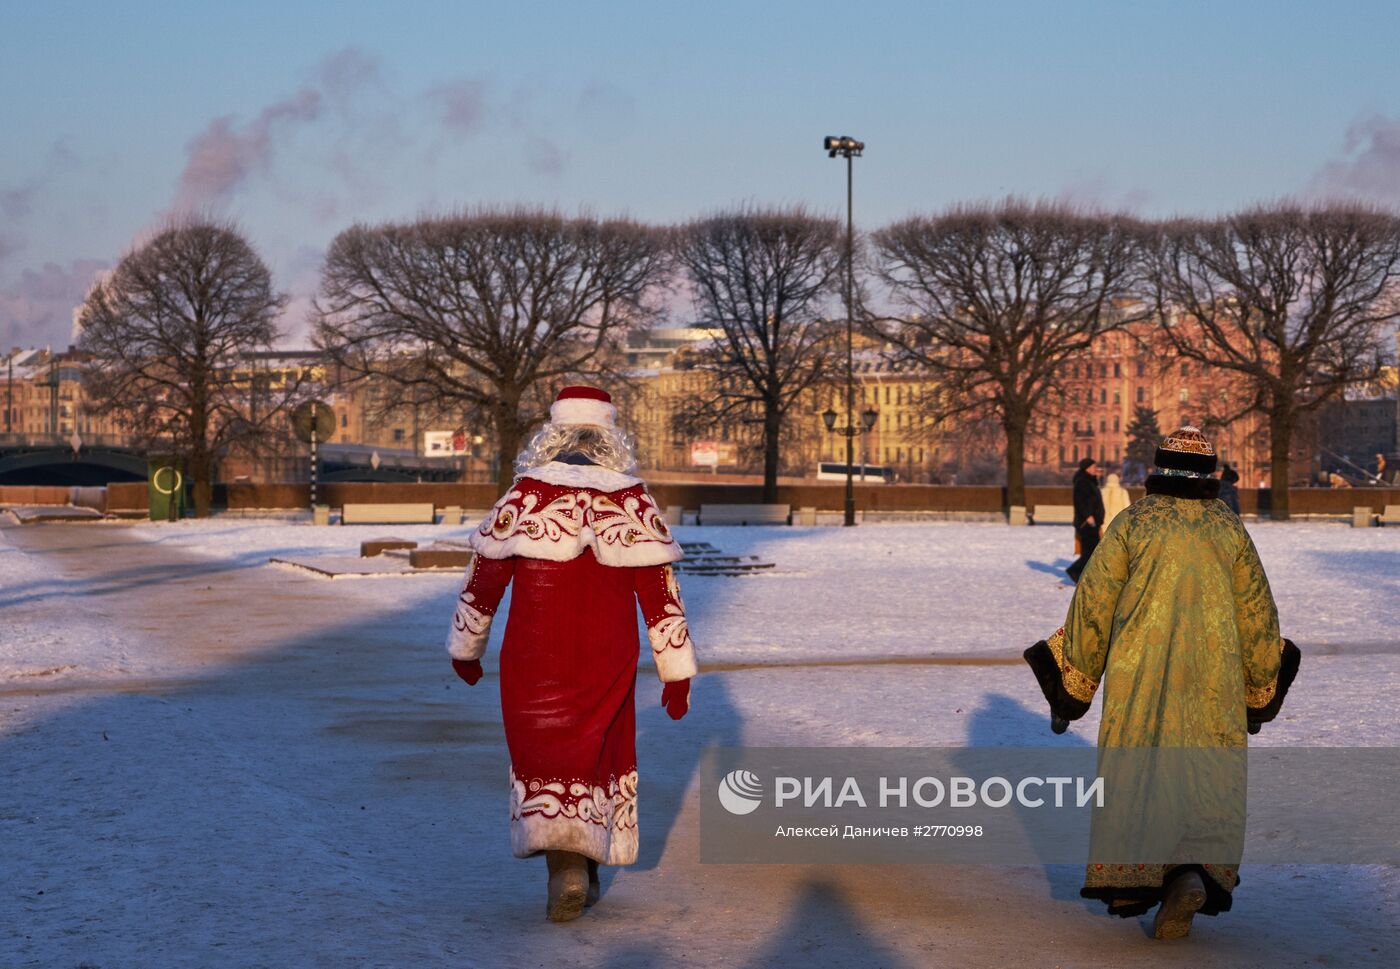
[
  {"x": 442, "y": 444},
  {"x": 712, "y": 454}
]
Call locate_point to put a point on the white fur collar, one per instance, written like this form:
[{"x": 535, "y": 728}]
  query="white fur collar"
[{"x": 592, "y": 476}]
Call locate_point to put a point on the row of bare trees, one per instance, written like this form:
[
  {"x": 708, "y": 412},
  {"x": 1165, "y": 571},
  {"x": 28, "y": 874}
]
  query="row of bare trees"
[{"x": 478, "y": 317}]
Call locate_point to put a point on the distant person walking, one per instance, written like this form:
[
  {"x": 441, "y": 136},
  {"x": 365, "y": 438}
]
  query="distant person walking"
[
  {"x": 1088, "y": 515},
  {"x": 1174, "y": 618},
  {"x": 1115, "y": 499},
  {"x": 1229, "y": 488}
]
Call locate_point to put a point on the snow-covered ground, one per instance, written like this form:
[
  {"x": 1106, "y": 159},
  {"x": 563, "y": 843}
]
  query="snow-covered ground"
[
  {"x": 881, "y": 590},
  {"x": 209, "y": 761}
]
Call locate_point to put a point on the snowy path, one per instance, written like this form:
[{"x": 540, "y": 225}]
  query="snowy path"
[{"x": 249, "y": 767}]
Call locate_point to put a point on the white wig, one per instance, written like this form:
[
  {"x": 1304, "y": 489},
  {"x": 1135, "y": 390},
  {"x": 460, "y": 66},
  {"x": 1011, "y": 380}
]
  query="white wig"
[{"x": 608, "y": 447}]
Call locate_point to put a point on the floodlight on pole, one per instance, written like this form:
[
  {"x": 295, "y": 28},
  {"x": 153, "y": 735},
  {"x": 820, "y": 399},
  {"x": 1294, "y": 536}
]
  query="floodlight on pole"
[{"x": 849, "y": 148}]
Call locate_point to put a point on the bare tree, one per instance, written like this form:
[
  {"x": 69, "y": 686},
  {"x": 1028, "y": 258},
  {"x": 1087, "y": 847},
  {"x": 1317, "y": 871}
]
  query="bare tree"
[
  {"x": 760, "y": 276},
  {"x": 992, "y": 299},
  {"x": 1292, "y": 298},
  {"x": 483, "y": 313},
  {"x": 170, "y": 332}
]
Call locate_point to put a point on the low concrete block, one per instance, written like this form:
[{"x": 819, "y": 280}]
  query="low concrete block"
[
  {"x": 378, "y": 546},
  {"x": 440, "y": 557},
  {"x": 321, "y": 515},
  {"x": 1018, "y": 516},
  {"x": 1362, "y": 517}
]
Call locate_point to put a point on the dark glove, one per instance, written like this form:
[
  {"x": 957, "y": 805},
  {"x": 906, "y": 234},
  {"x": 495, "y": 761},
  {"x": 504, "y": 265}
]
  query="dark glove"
[
  {"x": 675, "y": 697},
  {"x": 468, "y": 669}
]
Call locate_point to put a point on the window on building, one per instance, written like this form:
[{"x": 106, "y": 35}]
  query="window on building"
[
  {"x": 1103, "y": 370},
  {"x": 1142, "y": 369},
  {"x": 1141, "y": 395},
  {"x": 1117, "y": 397},
  {"x": 1062, "y": 454},
  {"x": 1074, "y": 453},
  {"x": 1103, "y": 424},
  {"x": 1117, "y": 370},
  {"x": 1183, "y": 395},
  {"x": 398, "y": 434},
  {"x": 344, "y": 420},
  {"x": 1185, "y": 368},
  {"x": 1103, "y": 395},
  {"x": 1115, "y": 423}
]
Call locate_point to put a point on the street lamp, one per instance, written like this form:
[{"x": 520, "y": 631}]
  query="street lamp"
[
  {"x": 868, "y": 417},
  {"x": 848, "y": 148}
]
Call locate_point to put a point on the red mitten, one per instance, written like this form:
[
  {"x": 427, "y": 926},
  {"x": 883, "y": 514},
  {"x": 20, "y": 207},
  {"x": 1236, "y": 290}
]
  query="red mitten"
[
  {"x": 675, "y": 697},
  {"x": 468, "y": 669}
]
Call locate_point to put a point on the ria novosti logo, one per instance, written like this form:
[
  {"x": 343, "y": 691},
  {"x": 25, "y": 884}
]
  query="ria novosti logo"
[{"x": 740, "y": 792}]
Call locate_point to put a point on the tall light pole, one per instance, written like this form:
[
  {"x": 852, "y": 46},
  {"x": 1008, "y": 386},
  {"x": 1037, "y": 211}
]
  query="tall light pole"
[{"x": 849, "y": 148}]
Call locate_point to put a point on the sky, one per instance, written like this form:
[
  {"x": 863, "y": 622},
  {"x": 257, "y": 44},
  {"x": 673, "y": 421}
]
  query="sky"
[{"x": 299, "y": 118}]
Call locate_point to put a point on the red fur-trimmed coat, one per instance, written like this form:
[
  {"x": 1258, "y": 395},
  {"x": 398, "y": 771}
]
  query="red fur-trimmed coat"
[{"x": 581, "y": 546}]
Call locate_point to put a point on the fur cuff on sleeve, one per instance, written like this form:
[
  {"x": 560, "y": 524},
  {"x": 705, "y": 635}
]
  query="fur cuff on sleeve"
[
  {"x": 1052, "y": 677},
  {"x": 672, "y": 650},
  {"x": 470, "y": 629},
  {"x": 1270, "y": 699}
]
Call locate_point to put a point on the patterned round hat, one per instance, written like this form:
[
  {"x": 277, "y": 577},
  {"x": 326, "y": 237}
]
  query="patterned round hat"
[{"x": 1186, "y": 453}]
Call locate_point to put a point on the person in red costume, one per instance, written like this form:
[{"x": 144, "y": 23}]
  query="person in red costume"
[{"x": 584, "y": 544}]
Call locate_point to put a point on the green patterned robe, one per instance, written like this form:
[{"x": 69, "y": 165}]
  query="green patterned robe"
[{"x": 1174, "y": 622}]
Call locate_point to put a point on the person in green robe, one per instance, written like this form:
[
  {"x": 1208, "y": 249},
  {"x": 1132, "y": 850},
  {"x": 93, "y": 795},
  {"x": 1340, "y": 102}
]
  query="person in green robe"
[{"x": 1173, "y": 621}]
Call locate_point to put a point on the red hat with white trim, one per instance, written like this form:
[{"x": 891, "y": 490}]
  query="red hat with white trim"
[{"x": 583, "y": 405}]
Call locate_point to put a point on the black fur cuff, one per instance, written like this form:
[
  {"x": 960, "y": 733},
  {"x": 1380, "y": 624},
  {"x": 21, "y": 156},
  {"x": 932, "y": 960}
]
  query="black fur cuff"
[
  {"x": 1287, "y": 671},
  {"x": 1047, "y": 674}
]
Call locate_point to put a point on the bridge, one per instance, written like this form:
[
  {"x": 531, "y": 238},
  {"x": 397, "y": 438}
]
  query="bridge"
[{"x": 46, "y": 460}]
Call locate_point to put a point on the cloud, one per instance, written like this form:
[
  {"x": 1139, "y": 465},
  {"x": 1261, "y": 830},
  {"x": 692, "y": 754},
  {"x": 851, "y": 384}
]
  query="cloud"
[
  {"x": 19, "y": 203},
  {"x": 543, "y": 156},
  {"x": 1368, "y": 166},
  {"x": 223, "y": 155},
  {"x": 1099, "y": 192},
  {"x": 460, "y": 105},
  {"x": 37, "y": 308}
]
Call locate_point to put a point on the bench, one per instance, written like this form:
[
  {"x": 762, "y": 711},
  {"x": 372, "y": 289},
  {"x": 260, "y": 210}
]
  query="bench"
[
  {"x": 417, "y": 513},
  {"x": 1391, "y": 515},
  {"x": 745, "y": 515},
  {"x": 1053, "y": 515}
]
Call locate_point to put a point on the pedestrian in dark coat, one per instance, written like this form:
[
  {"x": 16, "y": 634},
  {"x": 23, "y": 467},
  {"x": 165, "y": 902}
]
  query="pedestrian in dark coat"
[
  {"x": 1088, "y": 515},
  {"x": 1229, "y": 488}
]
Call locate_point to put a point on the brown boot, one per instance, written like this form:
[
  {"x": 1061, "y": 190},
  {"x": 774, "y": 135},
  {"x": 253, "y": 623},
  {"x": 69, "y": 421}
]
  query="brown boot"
[
  {"x": 595, "y": 889},
  {"x": 568, "y": 885},
  {"x": 1185, "y": 896}
]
